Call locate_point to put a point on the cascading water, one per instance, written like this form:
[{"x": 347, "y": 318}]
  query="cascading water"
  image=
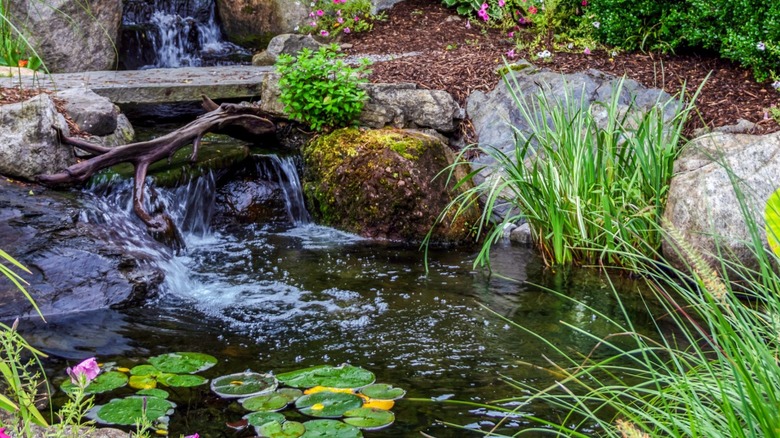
[
  {"x": 284, "y": 170},
  {"x": 174, "y": 33}
]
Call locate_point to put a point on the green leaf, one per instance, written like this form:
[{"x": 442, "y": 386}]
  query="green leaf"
[
  {"x": 328, "y": 404},
  {"x": 330, "y": 429},
  {"x": 243, "y": 384},
  {"x": 181, "y": 380},
  {"x": 260, "y": 418},
  {"x": 772, "y": 221},
  {"x": 369, "y": 418},
  {"x": 183, "y": 363},
  {"x": 289, "y": 429},
  {"x": 104, "y": 382},
  {"x": 144, "y": 370},
  {"x": 154, "y": 392},
  {"x": 291, "y": 394},
  {"x": 127, "y": 411},
  {"x": 266, "y": 402},
  {"x": 344, "y": 376},
  {"x": 382, "y": 391}
]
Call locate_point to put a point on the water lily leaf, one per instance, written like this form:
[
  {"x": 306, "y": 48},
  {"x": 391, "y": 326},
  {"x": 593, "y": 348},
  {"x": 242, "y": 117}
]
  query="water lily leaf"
[
  {"x": 243, "y": 384},
  {"x": 369, "y": 418},
  {"x": 144, "y": 370},
  {"x": 181, "y": 380},
  {"x": 772, "y": 221},
  {"x": 143, "y": 382},
  {"x": 260, "y": 418},
  {"x": 330, "y": 429},
  {"x": 127, "y": 411},
  {"x": 385, "y": 405},
  {"x": 104, "y": 382},
  {"x": 344, "y": 376},
  {"x": 317, "y": 389},
  {"x": 183, "y": 363},
  {"x": 265, "y": 402},
  {"x": 382, "y": 391},
  {"x": 328, "y": 404},
  {"x": 289, "y": 429},
  {"x": 153, "y": 392},
  {"x": 291, "y": 394}
]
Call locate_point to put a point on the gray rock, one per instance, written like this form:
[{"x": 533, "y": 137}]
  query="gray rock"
[
  {"x": 406, "y": 106},
  {"x": 741, "y": 127},
  {"x": 270, "y": 94},
  {"x": 702, "y": 202},
  {"x": 252, "y": 23},
  {"x": 92, "y": 113},
  {"x": 75, "y": 265},
  {"x": 289, "y": 44},
  {"x": 28, "y": 144},
  {"x": 381, "y": 5},
  {"x": 78, "y": 36},
  {"x": 522, "y": 235}
]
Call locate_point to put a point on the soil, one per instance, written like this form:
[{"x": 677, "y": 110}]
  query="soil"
[{"x": 460, "y": 60}]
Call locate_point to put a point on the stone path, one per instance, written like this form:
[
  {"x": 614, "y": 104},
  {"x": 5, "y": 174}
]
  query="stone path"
[{"x": 155, "y": 86}]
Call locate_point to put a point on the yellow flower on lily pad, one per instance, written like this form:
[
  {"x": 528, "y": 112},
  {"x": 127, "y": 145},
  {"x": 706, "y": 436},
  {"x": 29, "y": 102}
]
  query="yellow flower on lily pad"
[
  {"x": 317, "y": 389},
  {"x": 317, "y": 407},
  {"x": 384, "y": 405},
  {"x": 123, "y": 369}
]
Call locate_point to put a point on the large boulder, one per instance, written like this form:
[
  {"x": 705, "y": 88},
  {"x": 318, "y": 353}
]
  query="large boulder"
[
  {"x": 97, "y": 116},
  {"x": 252, "y": 23},
  {"x": 286, "y": 43},
  {"x": 702, "y": 205},
  {"x": 381, "y": 5},
  {"x": 383, "y": 184},
  {"x": 28, "y": 144},
  {"x": 76, "y": 265},
  {"x": 71, "y": 35}
]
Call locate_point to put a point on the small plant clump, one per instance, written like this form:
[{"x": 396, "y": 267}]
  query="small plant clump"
[
  {"x": 15, "y": 50},
  {"x": 333, "y": 17},
  {"x": 320, "y": 89}
]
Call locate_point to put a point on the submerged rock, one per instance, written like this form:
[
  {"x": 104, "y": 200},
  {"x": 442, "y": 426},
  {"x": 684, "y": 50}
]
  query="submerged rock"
[
  {"x": 75, "y": 265},
  {"x": 383, "y": 184},
  {"x": 703, "y": 206}
]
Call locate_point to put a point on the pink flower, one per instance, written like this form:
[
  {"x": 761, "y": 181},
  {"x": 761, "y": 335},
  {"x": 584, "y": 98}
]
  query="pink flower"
[
  {"x": 468, "y": 24},
  {"x": 3, "y": 434},
  {"x": 88, "y": 368},
  {"x": 311, "y": 14},
  {"x": 338, "y": 12},
  {"x": 324, "y": 33},
  {"x": 483, "y": 14},
  {"x": 340, "y": 20},
  {"x": 511, "y": 54},
  {"x": 587, "y": 51},
  {"x": 195, "y": 435},
  {"x": 532, "y": 10},
  {"x": 320, "y": 12},
  {"x": 347, "y": 30},
  {"x": 501, "y": 3},
  {"x": 510, "y": 34},
  {"x": 313, "y": 24},
  {"x": 357, "y": 18},
  {"x": 484, "y": 5},
  {"x": 584, "y": 2}
]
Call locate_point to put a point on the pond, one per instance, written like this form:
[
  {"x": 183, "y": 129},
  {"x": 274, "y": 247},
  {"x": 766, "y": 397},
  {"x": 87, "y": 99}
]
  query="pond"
[{"x": 286, "y": 295}]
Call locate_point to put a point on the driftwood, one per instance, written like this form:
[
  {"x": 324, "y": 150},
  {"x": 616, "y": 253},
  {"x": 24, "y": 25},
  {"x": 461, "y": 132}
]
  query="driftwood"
[{"x": 231, "y": 119}]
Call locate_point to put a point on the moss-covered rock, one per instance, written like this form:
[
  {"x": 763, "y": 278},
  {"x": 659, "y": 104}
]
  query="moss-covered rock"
[{"x": 383, "y": 184}]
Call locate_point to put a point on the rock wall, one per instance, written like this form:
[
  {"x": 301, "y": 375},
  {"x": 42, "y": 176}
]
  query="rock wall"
[
  {"x": 71, "y": 35},
  {"x": 252, "y": 23}
]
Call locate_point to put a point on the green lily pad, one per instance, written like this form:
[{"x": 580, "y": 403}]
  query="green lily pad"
[
  {"x": 143, "y": 382},
  {"x": 183, "y": 363},
  {"x": 144, "y": 370},
  {"x": 330, "y": 429},
  {"x": 344, "y": 376},
  {"x": 369, "y": 418},
  {"x": 243, "y": 384},
  {"x": 104, "y": 382},
  {"x": 148, "y": 376},
  {"x": 291, "y": 394},
  {"x": 153, "y": 392},
  {"x": 127, "y": 411},
  {"x": 288, "y": 429},
  {"x": 382, "y": 391},
  {"x": 260, "y": 418},
  {"x": 328, "y": 404},
  {"x": 265, "y": 402}
]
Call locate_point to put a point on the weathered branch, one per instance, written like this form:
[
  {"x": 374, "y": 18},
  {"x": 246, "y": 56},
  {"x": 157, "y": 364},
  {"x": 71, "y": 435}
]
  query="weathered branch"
[{"x": 231, "y": 119}]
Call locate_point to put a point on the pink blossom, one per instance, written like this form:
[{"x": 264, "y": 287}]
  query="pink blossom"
[
  {"x": 320, "y": 12},
  {"x": 357, "y": 18},
  {"x": 195, "y": 435},
  {"x": 532, "y": 10},
  {"x": 340, "y": 20},
  {"x": 511, "y": 54},
  {"x": 586, "y": 51},
  {"x": 3, "y": 434},
  {"x": 501, "y": 3},
  {"x": 584, "y": 2},
  {"x": 313, "y": 23},
  {"x": 347, "y": 30},
  {"x": 484, "y": 5},
  {"x": 510, "y": 34},
  {"x": 88, "y": 368},
  {"x": 324, "y": 33},
  {"x": 468, "y": 24}
]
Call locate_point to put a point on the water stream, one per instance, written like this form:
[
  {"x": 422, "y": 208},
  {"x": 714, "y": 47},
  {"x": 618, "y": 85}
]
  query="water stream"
[{"x": 290, "y": 294}]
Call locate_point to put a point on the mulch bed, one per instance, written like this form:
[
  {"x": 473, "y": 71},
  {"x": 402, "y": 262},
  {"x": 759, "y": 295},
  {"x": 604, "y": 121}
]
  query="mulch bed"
[{"x": 461, "y": 60}]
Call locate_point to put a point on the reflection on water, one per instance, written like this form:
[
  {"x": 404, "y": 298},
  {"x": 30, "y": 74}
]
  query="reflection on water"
[{"x": 277, "y": 299}]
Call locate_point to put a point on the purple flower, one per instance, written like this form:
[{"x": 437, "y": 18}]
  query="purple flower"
[
  {"x": 347, "y": 30},
  {"x": 510, "y": 34},
  {"x": 320, "y": 12},
  {"x": 88, "y": 368},
  {"x": 501, "y": 3},
  {"x": 587, "y": 51},
  {"x": 511, "y": 54},
  {"x": 195, "y": 435},
  {"x": 468, "y": 24},
  {"x": 324, "y": 33},
  {"x": 340, "y": 20},
  {"x": 3, "y": 434}
]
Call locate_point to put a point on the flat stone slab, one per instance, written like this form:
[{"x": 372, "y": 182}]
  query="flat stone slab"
[{"x": 155, "y": 86}]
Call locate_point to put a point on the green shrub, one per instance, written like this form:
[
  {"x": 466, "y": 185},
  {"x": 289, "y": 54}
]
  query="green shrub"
[
  {"x": 331, "y": 17},
  {"x": 15, "y": 50},
  {"x": 589, "y": 193},
  {"x": 320, "y": 89}
]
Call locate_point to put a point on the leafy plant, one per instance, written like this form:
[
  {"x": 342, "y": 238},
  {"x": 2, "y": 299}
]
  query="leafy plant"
[
  {"x": 320, "y": 89},
  {"x": 15, "y": 49},
  {"x": 331, "y": 17},
  {"x": 589, "y": 193}
]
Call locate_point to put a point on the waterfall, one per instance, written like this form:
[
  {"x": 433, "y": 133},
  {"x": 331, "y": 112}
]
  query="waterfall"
[
  {"x": 173, "y": 33},
  {"x": 284, "y": 170}
]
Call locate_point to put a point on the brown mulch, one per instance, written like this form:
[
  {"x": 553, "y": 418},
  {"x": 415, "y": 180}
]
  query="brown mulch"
[
  {"x": 461, "y": 60},
  {"x": 19, "y": 94}
]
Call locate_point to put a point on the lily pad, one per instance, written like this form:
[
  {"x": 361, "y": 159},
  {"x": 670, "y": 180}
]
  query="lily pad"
[
  {"x": 260, "y": 418},
  {"x": 382, "y": 391},
  {"x": 288, "y": 429},
  {"x": 369, "y": 418},
  {"x": 127, "y": 411},
  {"x": 291, "y": 394},
  {"x": 104, "y": 382},
  {"x": 183, "y": 363},
  {"x": 328, "y": 404},
  {"x": 330, "y": 429},
  {"x": 265, "y": 402},
  {"x": 143, "y": 382},
  {"x": 181, "y": 380},
  {"x": 344, "y": 376},
  {"x": 385, "y": 405},
  {"x": 154, "y": 392},
  {"x": 148, "y": 376},
  {"x": 243, "y": 384}
]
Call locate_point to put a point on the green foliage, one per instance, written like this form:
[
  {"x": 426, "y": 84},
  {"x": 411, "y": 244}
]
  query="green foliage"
[
  {"x": 745, "y": 31},
  {"x": 589, "y": 193},
  {"x": 329, "y": 18},
  {"x": 15, "y": 49},
  {"x": 320, "y": 89}
]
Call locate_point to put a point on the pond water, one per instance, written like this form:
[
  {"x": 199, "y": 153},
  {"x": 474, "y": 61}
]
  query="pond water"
[{"x": 290, "y": 294}]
